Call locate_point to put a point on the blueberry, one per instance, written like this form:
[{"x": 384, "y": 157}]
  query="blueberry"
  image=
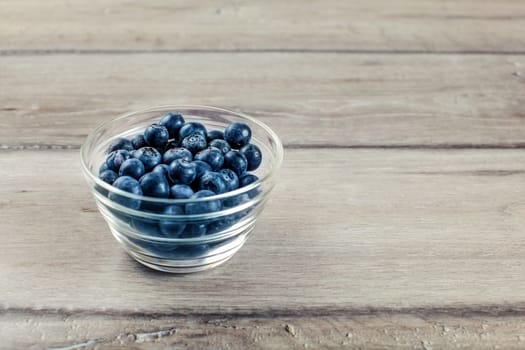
[
  {"x": 242, "y": 214},
  {"x": 211, "y": 155},
  {"x": 236, "y": 161},
  {"x": 116, "y": 158},
  {"x": 108, "y": 176},
  {"x": 138, "y": 141},
  {"x": 151, "y": 206},
  {"x": 193, "y": 251},
  {"x": 213, "y": 182},
  {"x": 150, "y": 245},
  {"x": 200, "y": 207},
  {"x": 162, "y": 250},
  {"x": 156, "y": 136},
  {"x": 145, "y": 226},
  {"x": 127, "y": 184},
  {"x": 202, "y": 168},
  {"x": 194, "y": 230},
  {"x": 222, "y": 145},
  {"x": 214, "y": 135},
  {"x": 132, "y": 167},
  {"x": 253, "y": 155},
  {"x": 181, "y": 192},
  {"x": 230, "y": 178},
  {"x": 192, "y": 128},
  {"x": 103, "y": 167},
  {"x": 182, "y": 172},
  {"x": 236, "y": 200},
  {"x": 176, "y": 153},
  {"x": 247, "y": 179},
  {"x": 172, "y": 228},
  {"x": 163, "y": 169},
  {"x": 203, "y": 194},
  {"x": 155, "y": 185},
  {"x": 194, "y": 143},
  {"x": 120, "y": 143},
  {"x": 220, "y": 224},
  {"x": 172, "y": 121},
  {"x": 237, "y": 134},
  {"x": 149, "y": 156}
]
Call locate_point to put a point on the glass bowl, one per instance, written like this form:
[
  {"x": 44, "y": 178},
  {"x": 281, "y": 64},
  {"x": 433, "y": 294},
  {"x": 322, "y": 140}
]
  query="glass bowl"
[{"x": 181, "y": 243}]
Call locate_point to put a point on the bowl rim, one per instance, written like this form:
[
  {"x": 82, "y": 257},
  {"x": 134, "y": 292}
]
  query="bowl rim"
[{"x": 276, "y": 164}]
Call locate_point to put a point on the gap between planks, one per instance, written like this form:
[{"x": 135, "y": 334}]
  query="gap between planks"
[
  {"x": 518, "y": 145},
  {"x": 36, "y": 52}
]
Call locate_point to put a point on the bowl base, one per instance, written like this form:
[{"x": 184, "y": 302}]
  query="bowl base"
[
  {"x": 184, "y": 264},
  {"x": 178, "y": 270}
]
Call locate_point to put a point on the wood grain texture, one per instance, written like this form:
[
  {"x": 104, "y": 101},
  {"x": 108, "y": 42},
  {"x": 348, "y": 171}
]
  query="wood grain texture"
[
  {"x": 413, "y": 25},
  {"x": 347, "y": 229},
  {"x": 308, "y": 99},
  {"x": 398, "y": 220},
  {"x": 381, "y": 331}
]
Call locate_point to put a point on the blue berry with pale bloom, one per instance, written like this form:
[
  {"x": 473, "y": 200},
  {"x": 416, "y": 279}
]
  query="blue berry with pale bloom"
[
  {"x": 127, "y": 184},
  {"x": 230, "y": 178},
  {"x": 172, "y": 121},
  {"x": 208, "y": 206},
  {"x": 138, "y": 141},
  {"x": 120, "y": 143},
  {"x": 253, "y": 156},
  {"x": 149, "y": 156},
  {"x": 116, "y": 158},
  {"x": 237, "y": 134},
  {"x": 181, "y": 192},
  {"x": 201, "y": 167},
  {"x": 162, "y": 169},
  {"x": 192, "y": 128},
  {"x": 182, "y": 172},
  {"x": 236, "y": 161},
  {"x": 108, "y": 176},
  {"x": 156, "y": 136},
  {"x": 220, "y": 144},
  {"x": 132, "y": 167},
  {"x": 155, "y": 185},
  {"x": 176, "y": 153},
  {"x": 213, "y": 182},
  {"x": 214, "y": 135},
  {"x": 194, "y": 143},
  {"x": 213, "y": 156},
  {"x": 172, "y": 227}
]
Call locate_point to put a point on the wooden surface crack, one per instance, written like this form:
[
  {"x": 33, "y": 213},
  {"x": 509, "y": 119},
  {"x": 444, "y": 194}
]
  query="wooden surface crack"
[
  {"x": 121, "y": 339},
  {"x": 464, "y": 311}
]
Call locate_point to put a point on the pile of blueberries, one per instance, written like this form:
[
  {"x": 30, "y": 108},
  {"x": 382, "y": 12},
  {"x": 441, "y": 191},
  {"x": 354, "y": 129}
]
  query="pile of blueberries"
[{"x": 181, "y": 160}]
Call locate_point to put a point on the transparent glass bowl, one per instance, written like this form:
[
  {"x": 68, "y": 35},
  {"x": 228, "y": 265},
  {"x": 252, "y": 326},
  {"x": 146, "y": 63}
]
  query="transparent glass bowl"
[{"x": 181, "y": 243}]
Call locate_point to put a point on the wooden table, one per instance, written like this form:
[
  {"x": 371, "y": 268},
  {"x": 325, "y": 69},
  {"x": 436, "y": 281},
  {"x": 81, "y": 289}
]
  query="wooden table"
[{"x": 398, "y": 221}]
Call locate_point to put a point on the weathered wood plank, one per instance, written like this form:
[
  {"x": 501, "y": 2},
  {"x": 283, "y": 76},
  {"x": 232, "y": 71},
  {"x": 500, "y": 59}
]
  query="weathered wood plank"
[
  {"x": 381, "y": 331},
  {"x": 309, "y": 99},
  {"x": 322, "y": 24},
  {"x": 345, "y": 229}
]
